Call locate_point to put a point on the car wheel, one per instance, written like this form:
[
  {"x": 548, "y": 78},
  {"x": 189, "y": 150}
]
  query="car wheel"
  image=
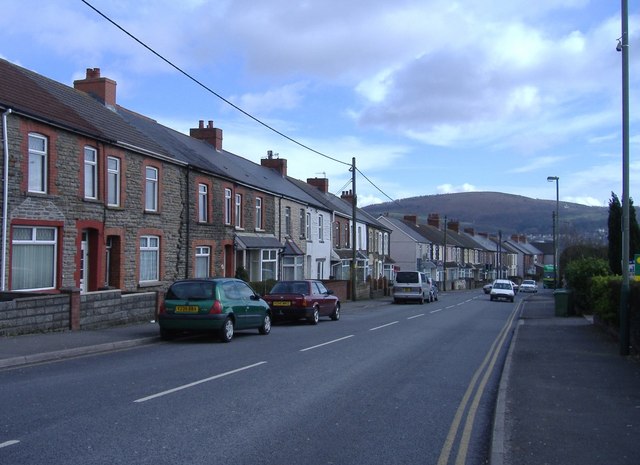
[
  {"x": 512, "y": 299},
  {"x": 421, "y": 299},
  {"x": 266, "y": 325},
  {"x": 226, "y": 332},
  {"x": 491, "y": 298},
  {"x": 315, "y": 316},
  {"x": 335, "y": 316}
]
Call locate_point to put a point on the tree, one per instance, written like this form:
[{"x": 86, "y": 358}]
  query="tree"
[{"x": 615, "y": 234}]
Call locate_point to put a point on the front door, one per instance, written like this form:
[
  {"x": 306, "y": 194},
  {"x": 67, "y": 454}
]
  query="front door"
[{"x": 84, "y": 262}]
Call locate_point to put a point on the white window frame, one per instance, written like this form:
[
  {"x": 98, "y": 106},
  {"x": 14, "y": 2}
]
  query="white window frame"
[
  {"x": 90, "y": 173},
  {"x": 287, "y": 221},
  {"x": 308, "y": 226},
  {"x": 320, "y": 228},
  {"x": 303, "y": 224},
  {"x": 258, "y": 212},
  {"x": 149, "y": 259},
  {"x": 268, "y": 262},
  {"x": 227, "y": 206},
  {"x": 238, "y": 210},
  {"x": 38, "y": 164},
  {"x": 203, "y": 261},
  {"x": 203, "y": 203},
  {"x": 33, "y": 266},
  {"x": 113, "y": 181},
  {"x": 151, "y": 189}
]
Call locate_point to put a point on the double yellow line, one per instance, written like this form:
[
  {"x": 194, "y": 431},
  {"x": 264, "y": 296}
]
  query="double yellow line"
[{"x": 487, "y": 366}]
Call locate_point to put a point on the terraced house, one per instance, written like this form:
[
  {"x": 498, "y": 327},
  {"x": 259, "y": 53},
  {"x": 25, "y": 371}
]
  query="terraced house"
[{"x": 97, "y": 196}]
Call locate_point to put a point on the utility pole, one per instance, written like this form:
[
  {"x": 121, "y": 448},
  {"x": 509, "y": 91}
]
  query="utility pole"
[
  {"x": 623, "y": 46},
  {"x": 354, "y": 250},
  {"x": 444, "y": 264}
]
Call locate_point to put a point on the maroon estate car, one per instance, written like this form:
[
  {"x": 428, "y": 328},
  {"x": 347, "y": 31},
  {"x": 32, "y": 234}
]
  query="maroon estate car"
[{"x": 310, "y": 299}]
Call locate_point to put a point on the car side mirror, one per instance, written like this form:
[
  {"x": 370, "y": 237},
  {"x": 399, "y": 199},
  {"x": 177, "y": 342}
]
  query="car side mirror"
[{"x": 329, "y": 291}]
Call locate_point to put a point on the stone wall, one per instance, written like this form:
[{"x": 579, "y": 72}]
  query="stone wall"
[{"x": 102, "y": 309}]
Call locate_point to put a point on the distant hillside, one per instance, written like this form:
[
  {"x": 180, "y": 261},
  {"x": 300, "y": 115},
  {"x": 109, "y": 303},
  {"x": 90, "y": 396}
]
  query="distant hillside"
[{"x": 493, "y": 211}]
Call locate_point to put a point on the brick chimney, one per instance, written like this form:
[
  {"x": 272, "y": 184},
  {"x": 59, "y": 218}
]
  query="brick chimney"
[
  {"x": 101, "y": 88},
  {"x": 319, "y": 183},
  {"x": 484, "y": 234},
  {"x": 523, "y": 239},
  {"x": 434, "y": 220},
  {"x": 275, "y": 163},
  {"x": 453, "y": 225},
  {"x": 348, "y": 196},
  {"x": 209, "y": 134},
  {"x": 470, "y": 231},
  {"x": 413, "y": 219},
  {"x": 515, "y": 238}
]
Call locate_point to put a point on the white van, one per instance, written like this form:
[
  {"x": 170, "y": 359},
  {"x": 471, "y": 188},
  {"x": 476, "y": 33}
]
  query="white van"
[{"x": 412, "y": 285}]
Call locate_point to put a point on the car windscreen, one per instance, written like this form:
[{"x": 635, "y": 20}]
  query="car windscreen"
[
  {"x": 502, "y": 286},
  {"x": 407, "y": 277},
  {"x": 192, "y": 291}
]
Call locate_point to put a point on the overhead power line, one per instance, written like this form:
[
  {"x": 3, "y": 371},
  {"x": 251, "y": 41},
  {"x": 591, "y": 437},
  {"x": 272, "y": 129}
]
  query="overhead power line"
[{"x": 228, "y": 102}]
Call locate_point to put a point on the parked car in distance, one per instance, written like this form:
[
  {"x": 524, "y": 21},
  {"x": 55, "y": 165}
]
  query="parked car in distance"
[
  {"x": 487, "y": 288},
  {"x": 307, "y": 298},
  {"x": 412, "y": 285},
  {"x": 502, "y": 289},
  {"x": 222, "y": 305},
  {"x": 529, "y": 285}
]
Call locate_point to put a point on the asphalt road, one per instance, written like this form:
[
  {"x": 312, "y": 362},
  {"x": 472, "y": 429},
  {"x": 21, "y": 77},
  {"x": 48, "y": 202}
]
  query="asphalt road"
[{"x": 390, "y": 384}]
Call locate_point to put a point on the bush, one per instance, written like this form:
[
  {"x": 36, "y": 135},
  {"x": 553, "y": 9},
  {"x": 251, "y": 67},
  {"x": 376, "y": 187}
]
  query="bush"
[
  {"x": 263, "y": 287},
  {"x": 579, "y": 274},
  {"x": 606, "y": 298}
]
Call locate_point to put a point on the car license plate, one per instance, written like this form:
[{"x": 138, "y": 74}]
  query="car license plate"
[
  {"x": 187, "y": 309},
  {"x": 407, "y": 289},
  {"x": 281, "y": 303}
]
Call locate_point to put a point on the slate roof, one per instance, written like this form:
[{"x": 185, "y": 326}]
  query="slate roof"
[{"x": 38, "y": 97}]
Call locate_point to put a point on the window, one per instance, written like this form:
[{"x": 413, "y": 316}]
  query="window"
[
  {"x": 269, "y": 264},
  {"x": 149, "y": 258},
  {"x": 151, "y": 189},
  {"x": 227, "y": 206},
  {"x": 308, "y": 226},
  {"x": 292, "y": 267},
  {"x": 302, "y": 223},
  {"x": 37, "y": 164},
  {"x": 321, "y": 228},
  {"x": 203, "y": 261},
  {"x": 90, "y": 173},
  {"x": 238, "y": 211},
  {"x": 203, "y": 204},
  {"x": 113, "y": 181},
  {"x": 287, "y": 221},
  {"x": 258, "y": 212},
  {"x": 34, "y": 258}
]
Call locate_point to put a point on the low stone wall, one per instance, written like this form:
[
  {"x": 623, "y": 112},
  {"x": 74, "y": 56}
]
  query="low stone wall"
[
  {"x": 71, "y": 310},
  {"x": 35, "y": 314}
]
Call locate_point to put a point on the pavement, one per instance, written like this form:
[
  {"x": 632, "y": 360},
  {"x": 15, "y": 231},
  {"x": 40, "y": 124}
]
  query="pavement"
[{"x": 565, "y": 397}]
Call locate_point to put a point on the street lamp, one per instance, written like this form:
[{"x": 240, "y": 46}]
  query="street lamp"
[{"x": 556, "y": 232}]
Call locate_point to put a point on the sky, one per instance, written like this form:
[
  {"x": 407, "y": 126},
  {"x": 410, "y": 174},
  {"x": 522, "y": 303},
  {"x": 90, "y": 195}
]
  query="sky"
[{"x": 429, "y": 96}]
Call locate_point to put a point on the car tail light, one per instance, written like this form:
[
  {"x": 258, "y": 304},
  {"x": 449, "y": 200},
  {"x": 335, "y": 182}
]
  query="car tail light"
[
  {"x": 216, "y": 308},
  {"x": 162, "y": 309}
]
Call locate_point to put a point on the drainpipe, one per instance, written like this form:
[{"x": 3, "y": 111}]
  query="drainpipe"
[{"x": 5, "y": 201}]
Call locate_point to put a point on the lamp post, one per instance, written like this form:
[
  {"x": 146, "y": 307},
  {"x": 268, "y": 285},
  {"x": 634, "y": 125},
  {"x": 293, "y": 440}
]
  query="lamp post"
[{"x": 556, "y": 232}]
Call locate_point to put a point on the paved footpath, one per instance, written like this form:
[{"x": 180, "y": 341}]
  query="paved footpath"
[{"x": 567, "y": 396}]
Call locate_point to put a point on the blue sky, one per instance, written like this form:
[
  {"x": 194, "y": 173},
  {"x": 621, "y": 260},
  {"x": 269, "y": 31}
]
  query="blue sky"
[{"x": 429, "y": 96}]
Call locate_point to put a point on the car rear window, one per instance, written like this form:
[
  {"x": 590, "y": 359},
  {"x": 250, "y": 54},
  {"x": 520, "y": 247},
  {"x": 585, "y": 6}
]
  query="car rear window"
[
  {"x": 192, "y": 291},
  {"x": 288, "y": 287},
  {"x": 407, "y": 277}
]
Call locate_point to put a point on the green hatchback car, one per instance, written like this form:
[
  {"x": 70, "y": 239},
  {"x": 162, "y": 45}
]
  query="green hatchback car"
[{"x": 222, "y": 305}]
